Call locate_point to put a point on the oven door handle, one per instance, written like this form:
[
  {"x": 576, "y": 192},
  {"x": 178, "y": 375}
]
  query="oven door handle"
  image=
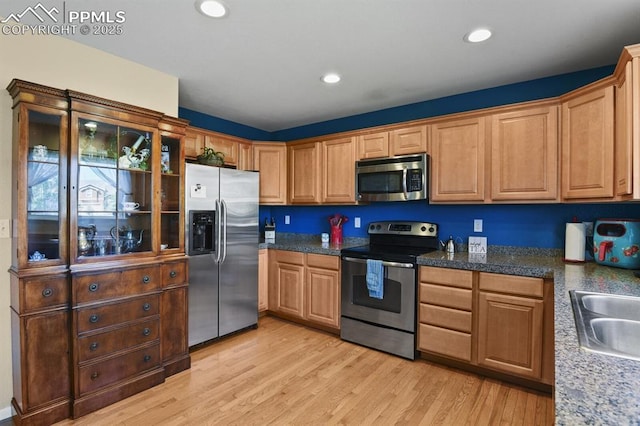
[{"x": 384, "y": 263}]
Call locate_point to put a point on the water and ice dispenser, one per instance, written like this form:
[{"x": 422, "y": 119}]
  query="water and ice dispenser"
[{"x": 201, "y": 232}]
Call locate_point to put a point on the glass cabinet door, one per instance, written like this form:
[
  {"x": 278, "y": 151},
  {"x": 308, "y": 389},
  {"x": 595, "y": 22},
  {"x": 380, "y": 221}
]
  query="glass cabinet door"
[
  {"x": 114, "y": 194},
  {"x": 170, "y": 193},
  {"x": 45, "y": 186}
]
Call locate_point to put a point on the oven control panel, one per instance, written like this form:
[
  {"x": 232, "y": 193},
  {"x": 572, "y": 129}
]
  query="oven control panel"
[{"x": 421, "y": 229}]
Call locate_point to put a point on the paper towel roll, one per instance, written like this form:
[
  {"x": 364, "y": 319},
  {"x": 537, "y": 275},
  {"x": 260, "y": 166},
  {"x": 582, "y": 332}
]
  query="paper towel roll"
[{"x": 574, "y": 242}]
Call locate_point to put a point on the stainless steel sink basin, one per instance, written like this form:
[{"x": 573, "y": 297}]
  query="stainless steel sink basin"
[{"x": 607, "y": 323}]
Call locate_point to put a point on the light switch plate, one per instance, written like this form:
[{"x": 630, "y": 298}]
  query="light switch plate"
[
  {"x": 356, "y": 222},
  {"x": 5, "y": 228},
  {"x": 287, "y": 219},
  {"x": 477, "y": 225}
]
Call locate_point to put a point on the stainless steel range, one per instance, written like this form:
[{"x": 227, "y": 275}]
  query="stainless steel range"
[{"x": 379, "y": 286}]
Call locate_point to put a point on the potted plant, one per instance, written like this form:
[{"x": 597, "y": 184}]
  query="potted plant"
[{"x": 211, "y": 157}]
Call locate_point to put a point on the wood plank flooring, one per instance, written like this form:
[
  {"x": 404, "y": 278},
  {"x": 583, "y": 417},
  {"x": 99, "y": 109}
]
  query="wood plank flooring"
[{"x": 286, "y": 374}]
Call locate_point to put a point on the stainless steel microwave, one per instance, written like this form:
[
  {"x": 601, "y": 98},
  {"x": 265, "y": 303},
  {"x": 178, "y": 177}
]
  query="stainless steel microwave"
[{"x": 400, "y": 178}]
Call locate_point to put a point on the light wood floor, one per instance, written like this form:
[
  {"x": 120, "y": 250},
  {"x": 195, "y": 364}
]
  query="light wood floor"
[{"x": 286, "y": 374}]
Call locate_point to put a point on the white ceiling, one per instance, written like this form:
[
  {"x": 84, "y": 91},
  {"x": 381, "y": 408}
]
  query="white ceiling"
[{"x": 261, "y": 65}]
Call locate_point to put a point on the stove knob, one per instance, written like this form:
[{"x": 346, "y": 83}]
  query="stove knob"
[
  {"x": 372, "y": 227},
  {"x": 424, "y": 228},
  {"x": 431, "y": 229},
  {"x": 378, "y": 227}
]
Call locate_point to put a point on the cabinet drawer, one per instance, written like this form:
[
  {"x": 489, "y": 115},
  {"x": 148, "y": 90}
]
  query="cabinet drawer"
[
  {"x": 96, "y": 375},
  {"x": 499, "y": 283},
  {"x": 174, "y": 273},
  {"x": 445, "y": 342},
  {"x": 448, "y": 277},
  {"x": 323, "y": 261},
  {"x": 449, "y": 297},
  {"x": 445, "y": 317},
  {"x": 94, "y": 287},
  {"x": 96, "y": 317},
  {"x": 97, "y": 345},
  {"x": 44, "y": 292},
  {"x": 292, "y": 257}
]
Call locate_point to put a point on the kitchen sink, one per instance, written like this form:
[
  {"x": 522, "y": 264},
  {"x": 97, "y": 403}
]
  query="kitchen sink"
[{"x": 607, "y": 323}]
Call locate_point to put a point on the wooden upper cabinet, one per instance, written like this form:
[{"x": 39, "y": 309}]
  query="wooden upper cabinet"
[
  {"x": 524, "y": 155},
  {"x": 338, "y": 168},
  {"x": 227, "y": 146},
  {"x": 245, "y": 156},
  {"x": 458, "y": 160},
  {"x": 410, "y": 140},
  {"x": 270, "y": 159},
  {"x": 373, "y": 145},
  {"x": 588, "y": 145},
  {"x": 193, "y": 143},
  {"x": 304, "y": 173}
]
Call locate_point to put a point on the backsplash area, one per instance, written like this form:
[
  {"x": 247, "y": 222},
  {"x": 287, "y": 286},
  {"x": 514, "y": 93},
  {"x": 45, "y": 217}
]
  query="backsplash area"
[{"x": 530, "y": 225}]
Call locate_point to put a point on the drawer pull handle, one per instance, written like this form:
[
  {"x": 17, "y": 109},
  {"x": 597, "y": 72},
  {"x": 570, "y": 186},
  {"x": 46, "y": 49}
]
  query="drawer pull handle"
[
  {"x": 147, "y": 358},
  {"x": 173, "y": 274},
  {"x": 146, "y": 279},
  {"x": 93, "y": 319},
  {"x": 47, "y": 292},
  {"x": 146, "y": 331},
  {"x": 146, "y": 306},
  {"x": 93, "y": 287},
  {"x": 95, "y": 375},
  {"x": 93, "y": 346}
]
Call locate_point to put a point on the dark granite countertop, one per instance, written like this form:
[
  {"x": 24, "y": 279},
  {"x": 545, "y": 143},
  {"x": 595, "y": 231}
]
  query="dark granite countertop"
[{"x": 590, "y": 388}]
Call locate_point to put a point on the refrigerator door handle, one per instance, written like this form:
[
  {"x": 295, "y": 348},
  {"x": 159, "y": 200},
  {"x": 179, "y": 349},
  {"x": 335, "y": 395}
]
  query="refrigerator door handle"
[
  {"x": 224, "y": 237},
  {"x": 218, "y": 219}
]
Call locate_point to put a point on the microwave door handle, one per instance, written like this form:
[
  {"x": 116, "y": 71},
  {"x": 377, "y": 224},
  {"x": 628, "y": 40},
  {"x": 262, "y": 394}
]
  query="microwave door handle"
[{"x": 404, "y": 184}]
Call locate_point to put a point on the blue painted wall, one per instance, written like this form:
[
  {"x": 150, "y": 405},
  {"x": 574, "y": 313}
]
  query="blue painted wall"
[{"x": 539, "y": 225}]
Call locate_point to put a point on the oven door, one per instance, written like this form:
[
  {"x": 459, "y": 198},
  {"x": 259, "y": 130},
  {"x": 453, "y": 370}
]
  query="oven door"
[{"x": 398, "y": 306}]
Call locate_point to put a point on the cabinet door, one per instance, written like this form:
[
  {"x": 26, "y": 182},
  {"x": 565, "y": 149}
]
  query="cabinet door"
[
  {"x": 228, "y": 147},
  {"x": 374, "y": 145},
  {"x": 171, "y": 194},
  {"x": 458, "y": 160},
  {"x": 624, "y": 133},
  {"x": 175, "y": 346},
  {"x": 40, "y": 175},
  {"x": 270, "y": 159},
  {"x": 304, "y": 173},
  {"x": 44, "y": 351},
  {"x": 338, "y": 166},
  {"x": 410, "y": 140},
  {"x": 263, "y": 280},
  {"x": 193, "y": 143},
  {"x": 289, "y": 296},
  {"x": 524, "y": 155},
  {"x": 323, "y": 297},
  {"x": 510, "y": 333},
  {"x": 245, "y": 156},
  {"x": 587, "y": 145}
]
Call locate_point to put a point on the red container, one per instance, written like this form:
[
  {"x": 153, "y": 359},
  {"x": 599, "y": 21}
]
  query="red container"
[{"x": 336, "y": 235}]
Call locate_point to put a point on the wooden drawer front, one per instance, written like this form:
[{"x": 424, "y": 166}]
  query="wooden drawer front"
[
  {"x": 97, "y": 317},
  {"x": 323, "y": 261},
  {"x": 448, "y": 277},
  {"x": 174, "y": 273},
  {"x": 97, "y": 345},
  {"x": 45, "y": 292},
  {"x": 445, "y": 317},
  {"x": 445, "y": 296},
  {"x": 445, "y": 342},
  {"x": 292, "y": 257},
  {"x": 499, "y": 283},
  {"x": 97, "y": 375},
  {"x": 89, "y": 288}
]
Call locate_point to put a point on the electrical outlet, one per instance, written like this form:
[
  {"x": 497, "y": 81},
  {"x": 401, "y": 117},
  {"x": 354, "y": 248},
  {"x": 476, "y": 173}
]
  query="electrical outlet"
[
  {"x": 287, "y": 219},
  {"x": 356, "y": 222},
  {"x": 477, "y": 225},
  {"x": 5, "y": 228}
]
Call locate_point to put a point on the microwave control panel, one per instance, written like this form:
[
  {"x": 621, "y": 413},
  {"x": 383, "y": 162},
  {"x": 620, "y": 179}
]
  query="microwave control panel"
[{"x": 414, "y": 180}]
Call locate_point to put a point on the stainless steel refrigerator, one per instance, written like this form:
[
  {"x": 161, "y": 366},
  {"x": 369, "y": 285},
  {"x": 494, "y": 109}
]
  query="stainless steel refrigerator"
[{"x": 221, "y": 232}]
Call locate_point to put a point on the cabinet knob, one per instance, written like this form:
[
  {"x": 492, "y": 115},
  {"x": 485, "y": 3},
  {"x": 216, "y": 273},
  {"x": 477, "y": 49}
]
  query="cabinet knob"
[
  {"x": 146, "y": 331},
  {"x": 146, "y": 306},
  {"x": 147, "y": 358},
  {"x": 93, "y": 346},
  {"x": 95, "y": 375},
  {"x": 93, "y": 319},
  {"x": 173, "y": 274},
  {"x": 47, "y": 292},
  {"x": 146, "y": 279},
  {"x": 94, "y": 287}
]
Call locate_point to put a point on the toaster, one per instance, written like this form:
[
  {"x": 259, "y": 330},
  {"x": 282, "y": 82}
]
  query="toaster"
[{"x": 616, "y": 242}]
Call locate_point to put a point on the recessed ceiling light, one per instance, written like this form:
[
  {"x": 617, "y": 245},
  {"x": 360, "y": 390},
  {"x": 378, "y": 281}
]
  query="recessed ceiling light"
[
  {"x": 331, "y": 78},
  {"x": 476, "y": 36},
  {"x": 211, "y": 8}
]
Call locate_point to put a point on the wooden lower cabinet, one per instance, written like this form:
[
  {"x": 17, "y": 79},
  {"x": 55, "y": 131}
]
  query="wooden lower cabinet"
[
  {"x": 305, "y": 287},
  {"x": 497, "y": 322},
  {"x": 263, "y": 280}
]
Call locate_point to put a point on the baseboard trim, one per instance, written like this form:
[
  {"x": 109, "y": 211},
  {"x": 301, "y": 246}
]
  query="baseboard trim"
[{"x": 6, "y": 414}]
